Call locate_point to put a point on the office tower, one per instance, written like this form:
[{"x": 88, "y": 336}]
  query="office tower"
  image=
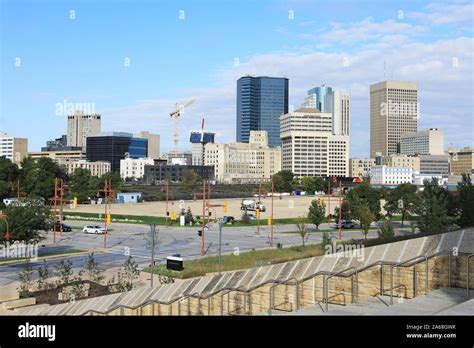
[
  {"x": 425, "y": 142},
  {"x": 316, "y": 98},
  {"x": 244, "y": 163},
  {"x": 153, "y": 143},
  {"x": 198, "y": 140},
  {"x": 13, "y": 148},
  {"x": 114, "y": 146},
  {"x": 338, "y": 103},
  {"x": 309, "y": 147},
  {"x": 80, "y": 126},
  {"x": 394, "y": 111},
  {"x": 260, "y": 102}
]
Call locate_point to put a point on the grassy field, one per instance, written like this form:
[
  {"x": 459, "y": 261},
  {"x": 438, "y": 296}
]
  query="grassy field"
[{"x": 248, "y": 259}]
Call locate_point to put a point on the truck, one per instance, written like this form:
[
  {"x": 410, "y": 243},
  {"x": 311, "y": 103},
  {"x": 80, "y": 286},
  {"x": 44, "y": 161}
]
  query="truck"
[{"x": 252, "y": 204}]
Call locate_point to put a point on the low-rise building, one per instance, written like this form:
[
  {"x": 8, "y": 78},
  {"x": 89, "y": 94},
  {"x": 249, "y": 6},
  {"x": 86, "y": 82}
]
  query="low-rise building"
[
  {"x": 434, "y": 165},
  {"x": 359, "y": 167},
  {"x": 425, "y": 142},
  {"x": 97, "y": 168},
  {"x": 244, "y": 162},
  {"x": 60, "y": 155},
  {"x": 388, "y": 175},
  {"x": 157, "y": 173},
  {"x": 461, "y": 161},
  {"x": 397, "y": 160},
  {"x": 134, "y": 168}
]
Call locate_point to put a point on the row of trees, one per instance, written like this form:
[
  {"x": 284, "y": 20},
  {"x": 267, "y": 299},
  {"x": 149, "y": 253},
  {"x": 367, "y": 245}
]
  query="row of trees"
[
  {"x": 36, "y": 177},
  {"x": 284, "y": 181}
]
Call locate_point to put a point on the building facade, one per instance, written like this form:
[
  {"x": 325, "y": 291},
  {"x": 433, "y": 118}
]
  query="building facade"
[
  {"x": 316, "y": 98},
  {"x": 157, "y": 173},
  {"x": 80, "y": 126},
  {"x": 260, "y": 102},
  {"x": 338, "y": 103},
  {"x": 14, "y": 149},
  {"x": 425, "y": 142},
  {"x": 115, "y": 146},
  {"x": 396, "y": 160},
  {"x": 309, "y": 148},
  {"x": 198, "y": 140},
  {"x": 67, "y": 155},
  {"x": 461, "y": 161},
  {"x": 238, "y": 163},
  {"x": 98, "y": 168},
  {"x": 385, "y": 175},
  {"x": 153, "y": 143},
  {"x": 394, "y": 110},
  {"x": 359, "y": 167},
  {"x": 134, "y": 168},
  {"x": 434, "y": 165}
]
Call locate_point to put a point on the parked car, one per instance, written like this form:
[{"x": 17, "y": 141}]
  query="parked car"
[
  {"x": 346, "y": 224},
  {"x": 93, "y": 229},
  {"x": 251, "y": 216},
  {"x": 50, "y": 226}
]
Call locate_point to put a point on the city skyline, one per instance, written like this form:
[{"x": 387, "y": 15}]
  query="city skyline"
[{"x": 83, "y": 61}]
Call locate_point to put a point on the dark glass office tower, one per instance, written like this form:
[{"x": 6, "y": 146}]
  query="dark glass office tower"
[
  {"x": 114, "y": 146},
  {"x": 260, "y": 102}
]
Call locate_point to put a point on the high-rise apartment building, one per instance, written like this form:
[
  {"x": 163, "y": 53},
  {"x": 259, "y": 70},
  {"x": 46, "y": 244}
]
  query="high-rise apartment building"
[
  {"x": 394, "y": 110},
  {"x": 260, "y": 102},
  {"x": 13, "y": 148},
  {"x": 309, "y": 147},
  {"x": 425, "y": 142},
  {"x": 80, "y": 126},
  {"x": 153, "y": 143}
]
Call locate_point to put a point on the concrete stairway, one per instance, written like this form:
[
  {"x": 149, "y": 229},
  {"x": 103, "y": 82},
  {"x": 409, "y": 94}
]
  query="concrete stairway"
[{"x": 445, "y": 301}]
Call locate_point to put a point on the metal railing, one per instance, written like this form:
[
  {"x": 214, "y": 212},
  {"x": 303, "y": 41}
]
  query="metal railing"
[
  {"x": 327, "y": 275},
  {"x": 341, "y": 274},
  {"x": 468, "y": 276}
]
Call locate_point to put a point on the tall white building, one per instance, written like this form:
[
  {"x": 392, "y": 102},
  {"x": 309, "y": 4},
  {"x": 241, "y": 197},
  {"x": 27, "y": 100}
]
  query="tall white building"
[
  {"x": 394, "y": 110},
  {"x": 153, "y": 143},
  {"x": 385, "y": 175},
  {"x": 244, "y": 162},
  {"x": 338, "y": 103},
  {"x": 80, "y": 126},
  {"x": 13, "y": 148},
  {"x": 134, "y": 167},
  {"x": 309, "y": 147},
  {"x": 425, "y": 142}
]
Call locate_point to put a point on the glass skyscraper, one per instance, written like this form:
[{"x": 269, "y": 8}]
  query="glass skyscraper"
[
  {"x": 260, "y": 102},
  {"x": 316, "y": 97}
]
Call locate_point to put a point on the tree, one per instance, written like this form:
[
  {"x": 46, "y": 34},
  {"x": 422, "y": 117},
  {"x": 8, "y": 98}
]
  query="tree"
[
  {"x": 308, "y": 184},
  {"x": 9, "y": 171},
  {"x": 25, "y": 217},
  {"x": 115, "y": 179},
  {"x": 37, "y": 176},
  {"x": 190, "y": 179},
  {"x": 432, "y": 208},
  {"x": 386, "y": 230},
  {"x": 64, "y": 272},
  {"x": 188, "y": 216},
  {"x": 346, "y": 211},
  {"x": 361, "y": 194},
  {"x": 93, "y": 271},
  {"x": 283, "y": 181},
  {"x": 278, "y": 183},
  {"x": 26, "y": 278},
  {"x": 126, "y": 276},
  {"x": 82, "y": 184},
  {"x": 466, "y": 201},
  {"x": 43, "y": 276},
  {"x": 317, "y": 213},
  {"x": 302, "y": 231},
  {"x": 326, "y": 240},
  {"x": 366, "y": 217},
  {"x": 318, "y": 184},
  {"x": 401, "y": 200}
]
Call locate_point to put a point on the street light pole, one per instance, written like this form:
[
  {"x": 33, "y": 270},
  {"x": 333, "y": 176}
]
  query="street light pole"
[{"x": 220, "y": 221}]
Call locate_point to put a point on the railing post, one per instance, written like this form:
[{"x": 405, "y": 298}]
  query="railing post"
[
  {"x": 414, "y": 280},
  {"x": 426, "y": 271},
  {"x": 325, "y": 292},
  {"x": 381, "y": 279},
  {"x": 468, "y": 276},
  {"x": 297, "y": 296},
  {"x": 391, "y": 285},
  {"x": 449, "y": 269}
]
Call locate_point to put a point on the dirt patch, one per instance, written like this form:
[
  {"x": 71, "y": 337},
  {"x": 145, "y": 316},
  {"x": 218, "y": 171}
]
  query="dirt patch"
[{"x": 50, "y": 296}]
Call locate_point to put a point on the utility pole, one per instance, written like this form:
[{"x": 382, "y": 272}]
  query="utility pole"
[
  {"x": 107, "y": 190},
  {"x": 329, "y": 201},
  {"x": 151, "y": 242},
  {"x": 221, "y": 221},
  {"x": 271, "y": 225},
  {"x": 340, "y": 209},
  {"x": 203, "y": 214}
]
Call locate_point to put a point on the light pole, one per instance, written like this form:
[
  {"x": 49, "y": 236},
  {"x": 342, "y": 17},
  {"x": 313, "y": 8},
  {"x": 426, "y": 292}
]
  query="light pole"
[
  {"x": 220, "y": 222},
  {"x": 151, "y": 242}
]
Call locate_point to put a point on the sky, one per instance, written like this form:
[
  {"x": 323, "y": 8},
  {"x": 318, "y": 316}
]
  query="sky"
[{"x": 133, "y": 60}]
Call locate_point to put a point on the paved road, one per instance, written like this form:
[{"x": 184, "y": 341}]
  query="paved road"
[{"x": 130, "y": 239}]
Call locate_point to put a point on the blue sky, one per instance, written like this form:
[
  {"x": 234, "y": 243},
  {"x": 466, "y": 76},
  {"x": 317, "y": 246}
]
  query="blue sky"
[{"x": 340, "y": 43}]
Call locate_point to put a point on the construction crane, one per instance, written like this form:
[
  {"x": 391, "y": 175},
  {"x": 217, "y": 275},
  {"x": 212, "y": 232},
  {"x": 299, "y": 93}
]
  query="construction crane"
[{"x": 176, "y": 114}]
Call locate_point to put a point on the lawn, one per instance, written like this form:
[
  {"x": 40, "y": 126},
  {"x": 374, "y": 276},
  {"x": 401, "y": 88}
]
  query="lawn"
[{"x": 65, "y": 252}]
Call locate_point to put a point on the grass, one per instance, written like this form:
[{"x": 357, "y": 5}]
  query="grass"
[
  {"x": 65, "y": 252},
  {"x": 247, "y": 259}
]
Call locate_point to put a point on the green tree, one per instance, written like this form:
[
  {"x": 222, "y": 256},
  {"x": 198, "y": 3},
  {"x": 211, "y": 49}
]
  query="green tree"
[
  {"x": 466, "y": 201},
  {"x": 278, "y": 183},
  {"x": 82, "y": 184},
  {"x": 25, "y": 217},
  {"x": 93, "y": 270},
  {"x": 346, "y": 211},
  {"x": 308, "y": 184},
  {"x": 43, "y": 276},
  {"x": 283, "y": 181},
  {"x": 9, "y": 171},
  {"x": 302, "y": 231},
  {"x": 432, "y": 208},
  {"x": 26, "y": 279},
  {"x": 318, "y": 184},
  {"x": 188, "y": 217},
  {"x": 190, "y": 179},
  {"x": 37, "y": 176},
  {"x": 366, "y": 217},
  {"x": 402, "y": 200},
  {"x": 116, "y": 180},
  {"x": 127, "y": 275},
  {"x": 317, "y": 213},
  {"x": 386, "y": 230},
  {"x": 361, "y": 194}
]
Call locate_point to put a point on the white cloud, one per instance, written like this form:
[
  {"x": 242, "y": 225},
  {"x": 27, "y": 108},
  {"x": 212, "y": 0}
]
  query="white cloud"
[{"x": 443, "y": 13}]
